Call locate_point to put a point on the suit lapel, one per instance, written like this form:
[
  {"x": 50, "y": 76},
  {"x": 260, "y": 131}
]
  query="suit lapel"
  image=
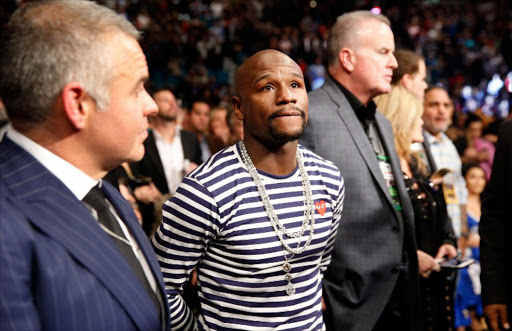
[
  {"x": 360, "y": 138},
  {"x": 154, "y": 156},
  {"x": 428, "y": 154},
  {"x": 186, "y": 145},
  {"x": 388, "y": 143},
  {"x": 130, "y": 221},
  {"x": 53, "y": 209}
]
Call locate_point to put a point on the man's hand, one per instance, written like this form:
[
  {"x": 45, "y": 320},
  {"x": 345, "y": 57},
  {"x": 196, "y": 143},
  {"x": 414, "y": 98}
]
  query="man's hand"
[
  {"x": 426, "y": 264},
  {"x": 497, "y": 315},
  {"x": 446, "y": 250},
  {"x": 147, "y": 193}
]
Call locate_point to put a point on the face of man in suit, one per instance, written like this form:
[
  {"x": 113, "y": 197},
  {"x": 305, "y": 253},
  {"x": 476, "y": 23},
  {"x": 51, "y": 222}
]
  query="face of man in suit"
[
  {"x": 438, "y": 111},
  {"x": 167, "y": 105},
  {"x": 370, "y": 60},
  {"x": 117, "y": 134},
  {"x": 272, "y": 101}
]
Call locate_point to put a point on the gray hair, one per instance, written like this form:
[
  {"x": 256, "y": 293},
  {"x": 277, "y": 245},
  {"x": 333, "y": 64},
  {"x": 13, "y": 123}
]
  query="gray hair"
[
  {"x": 51, "y": 43},
  {"x": 345, "y": 32}
]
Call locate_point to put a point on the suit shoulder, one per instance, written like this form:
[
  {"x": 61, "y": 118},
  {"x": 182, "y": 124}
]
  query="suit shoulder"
[
  {"x": 185, "y": 134},
  {"x": 14, "y": 225},
  {"x": 318, "y": 96}
]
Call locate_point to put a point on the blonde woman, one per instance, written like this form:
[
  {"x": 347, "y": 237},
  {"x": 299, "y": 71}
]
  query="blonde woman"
[{"x": 434, "y": 232}]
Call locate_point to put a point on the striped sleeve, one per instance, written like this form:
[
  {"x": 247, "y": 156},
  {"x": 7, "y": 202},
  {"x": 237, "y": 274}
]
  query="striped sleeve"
[
  {"x": 338, "y": 199},
  {"x": 190, "y": 222}
]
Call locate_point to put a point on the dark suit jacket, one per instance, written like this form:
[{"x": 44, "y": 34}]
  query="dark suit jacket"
[
  {"x": 151, "y": 166},
  {"x": 58, "y": 269},
  {"x": 496, "y": 226},
  {"x": 369, "y": 245},
  {"x": 428, "y": 155}
]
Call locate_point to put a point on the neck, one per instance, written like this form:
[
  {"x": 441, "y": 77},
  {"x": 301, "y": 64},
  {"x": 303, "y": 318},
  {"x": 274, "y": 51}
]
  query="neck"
[
  {"x": 347, "y": 81},
  {"x": 473, "y": 197},
  {"x": 279, "y": 161},
  {"x": 470, "y": 141},
  {"x": 167, "y": 129},
  {"x": 69, "y": 146},
  {"x": 437, "y": 135}
]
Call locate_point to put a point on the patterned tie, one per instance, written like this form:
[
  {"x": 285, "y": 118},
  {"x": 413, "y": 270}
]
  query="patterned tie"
[{"x": 96, "y": 200}]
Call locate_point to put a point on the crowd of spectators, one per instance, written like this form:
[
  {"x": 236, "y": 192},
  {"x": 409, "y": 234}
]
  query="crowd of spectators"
[{"x": 194, "y": 47}]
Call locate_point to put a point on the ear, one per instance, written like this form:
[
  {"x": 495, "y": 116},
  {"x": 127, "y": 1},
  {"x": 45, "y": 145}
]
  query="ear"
[
  {"x": 347, "y": 59},
  {"x": 406, "y": 81},
  {"x": 77, "y": 104},
  {"x": 237, "y": 107}
]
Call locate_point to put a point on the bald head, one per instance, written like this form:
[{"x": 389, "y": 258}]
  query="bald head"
[{"x": 253, "y": 65}]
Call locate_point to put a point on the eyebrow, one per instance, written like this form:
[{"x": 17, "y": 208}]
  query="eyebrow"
[
  {"x": 141, "y": 81},
  {"x": 262, "y": 77}
]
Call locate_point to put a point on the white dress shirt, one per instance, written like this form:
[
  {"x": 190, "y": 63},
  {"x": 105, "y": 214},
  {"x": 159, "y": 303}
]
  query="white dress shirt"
[{"x": 173, "y": 159}]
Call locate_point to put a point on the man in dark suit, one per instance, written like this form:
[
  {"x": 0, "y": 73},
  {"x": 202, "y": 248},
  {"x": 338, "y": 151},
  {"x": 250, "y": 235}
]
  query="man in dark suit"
[
  {"x": 496, "y": 234},
  {"x": 170, "y": 154},
  {"x": 72, "y": 254},
  {"x": 372, "y": 281}
]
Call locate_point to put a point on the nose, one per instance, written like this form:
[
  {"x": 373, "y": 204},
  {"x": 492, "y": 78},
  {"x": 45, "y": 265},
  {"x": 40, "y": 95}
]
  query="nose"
[
  {"x": 285, "y": 95},
  {"x": 443, "y": 109},
  {"x": 149, "y": 106},
  {"x": 393, "y": 62}
]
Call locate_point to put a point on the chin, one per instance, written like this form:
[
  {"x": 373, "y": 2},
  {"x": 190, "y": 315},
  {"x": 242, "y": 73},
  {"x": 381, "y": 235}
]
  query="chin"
[
  {"x": 385, "y": 88},
  {"x": 137, "y": 154},
  {"x": 284, "y": 137}
]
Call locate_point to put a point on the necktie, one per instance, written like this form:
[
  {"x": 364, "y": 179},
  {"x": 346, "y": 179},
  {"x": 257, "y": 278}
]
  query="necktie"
[{"x": 96, "y": 200}]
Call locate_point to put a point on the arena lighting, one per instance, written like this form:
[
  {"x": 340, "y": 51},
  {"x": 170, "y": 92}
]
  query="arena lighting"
[
  {"x": 376, "y": 10},
  {"x": 467, "y": 92},
  {"x": 494, "y": 85},
  {"x": 503, "y": 108},
  {"x": 312, "y": 4}
]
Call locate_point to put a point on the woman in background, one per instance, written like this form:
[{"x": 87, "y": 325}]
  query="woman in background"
[
  {"x": 434, "y": 232},
  {"x": 472, "y": 147},
  {"x": 468, "y": 303}
]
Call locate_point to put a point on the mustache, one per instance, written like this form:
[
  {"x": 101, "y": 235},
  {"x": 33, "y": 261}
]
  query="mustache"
[{"x": 281, "y": 111}]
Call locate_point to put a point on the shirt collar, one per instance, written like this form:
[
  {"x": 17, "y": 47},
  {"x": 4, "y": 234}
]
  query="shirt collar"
[
  {"x": 160, "y": 138},
  {"x": 76, "y": 180},
  {"x": 432, "y": 140}
]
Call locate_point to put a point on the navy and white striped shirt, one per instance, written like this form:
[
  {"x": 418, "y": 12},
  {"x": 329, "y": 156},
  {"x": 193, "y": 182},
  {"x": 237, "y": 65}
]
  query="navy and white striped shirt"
[{"x": 217, "y": 223}]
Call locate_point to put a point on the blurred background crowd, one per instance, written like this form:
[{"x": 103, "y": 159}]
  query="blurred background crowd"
[{"x": 194, "y": 47}]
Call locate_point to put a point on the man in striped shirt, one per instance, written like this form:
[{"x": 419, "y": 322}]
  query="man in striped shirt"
[{"x": 258, "y": 219}]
